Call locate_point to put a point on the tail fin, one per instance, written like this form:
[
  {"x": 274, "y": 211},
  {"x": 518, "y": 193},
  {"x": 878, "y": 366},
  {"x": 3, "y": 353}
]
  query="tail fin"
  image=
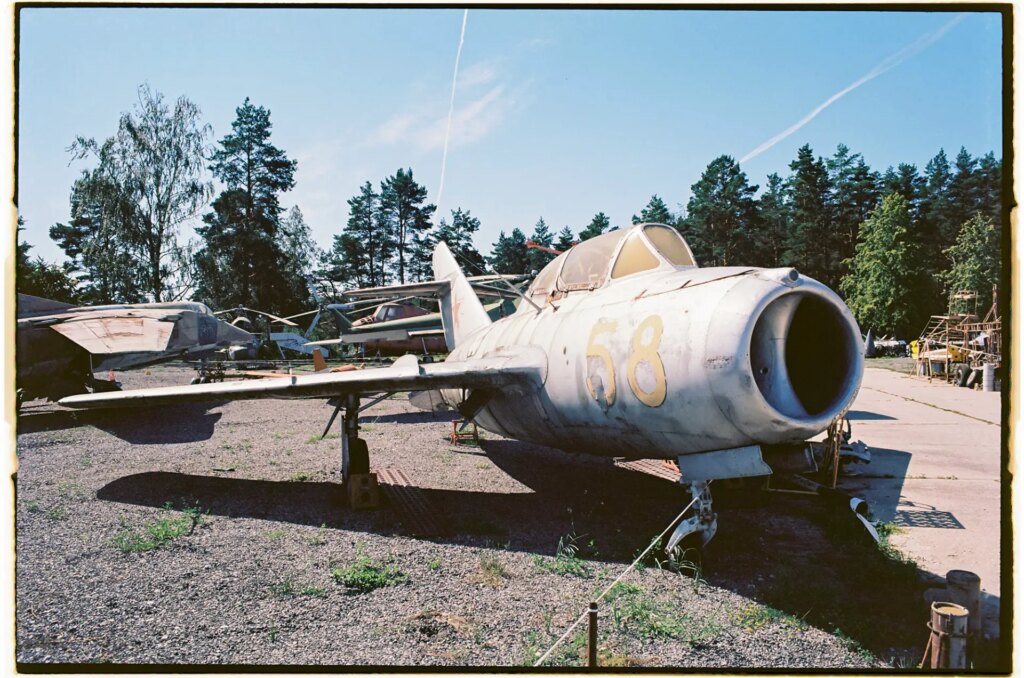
[
  {"x": 461, "y": 311},
  {"x": 344, "y": 324},
  {"x": 319, "y": 364}
]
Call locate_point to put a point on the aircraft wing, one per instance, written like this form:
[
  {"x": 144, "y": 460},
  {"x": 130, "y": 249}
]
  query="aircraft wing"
[
  {"x": 523, "y": 367},
  {"x": 117, "y": 334},
  {"x": 433, "y": 288}
]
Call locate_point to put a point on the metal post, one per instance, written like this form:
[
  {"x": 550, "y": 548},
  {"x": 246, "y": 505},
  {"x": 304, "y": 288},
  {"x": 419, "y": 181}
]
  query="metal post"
[{"x": 592, "y": 644}]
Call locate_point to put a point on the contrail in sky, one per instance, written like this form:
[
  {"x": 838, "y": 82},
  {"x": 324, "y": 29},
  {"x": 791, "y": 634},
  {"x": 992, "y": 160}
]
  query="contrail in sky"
[
  {"x": 451, "y": 108},
  {"x": 890, "y": 62}
]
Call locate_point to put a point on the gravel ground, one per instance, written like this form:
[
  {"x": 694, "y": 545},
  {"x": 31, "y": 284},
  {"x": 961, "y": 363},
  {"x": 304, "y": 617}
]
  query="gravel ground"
[{"x": 249, "y": 579}]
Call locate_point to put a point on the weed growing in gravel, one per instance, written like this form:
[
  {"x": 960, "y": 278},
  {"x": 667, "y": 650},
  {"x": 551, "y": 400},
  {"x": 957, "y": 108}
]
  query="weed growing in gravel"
[
  {"x": 57, "y": 513},
  {"x": 434, "y": 565},
  {"x": 32, "y": 507},
  {"x": 313, "y": 439},
  {"x": 300, "y": 477},
  {"x": 635, "y": 611},
  {"x": 753, "y": 617},
  {"x": 69, "y": 490},
  {"x": 492, "y": 571},
  {"x": 158, "y": 533},
  {"x": 366, "y": 428},
  {"x": 566, "y": 560},
  {"x": 273, "y": 634},
  {"x": 283, "y": 588},
  {"x": 367, "y": 574},
  {"x": 319, "y": 538},
  {"x": 275, "y": 534},
  {"x": 313, "y": 591}
]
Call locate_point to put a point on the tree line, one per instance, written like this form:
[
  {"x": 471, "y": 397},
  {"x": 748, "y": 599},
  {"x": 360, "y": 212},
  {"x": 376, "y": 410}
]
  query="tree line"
[{"x": 895, "y": 244}]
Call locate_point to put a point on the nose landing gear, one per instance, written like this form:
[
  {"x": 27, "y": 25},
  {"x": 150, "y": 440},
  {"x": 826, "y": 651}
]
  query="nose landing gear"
[{"x": 699, "y": 528}]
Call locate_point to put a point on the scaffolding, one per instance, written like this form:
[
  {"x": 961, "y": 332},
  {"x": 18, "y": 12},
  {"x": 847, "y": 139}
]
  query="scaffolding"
[{"x": 960, "y": 340}]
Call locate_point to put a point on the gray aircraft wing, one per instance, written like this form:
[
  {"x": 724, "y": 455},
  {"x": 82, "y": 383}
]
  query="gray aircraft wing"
[
  {"x": 523, "y": 367},
  {"x": 482, "y": 283}
]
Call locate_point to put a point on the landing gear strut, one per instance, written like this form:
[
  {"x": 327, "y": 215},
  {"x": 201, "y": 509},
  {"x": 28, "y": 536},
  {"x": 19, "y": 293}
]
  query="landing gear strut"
[{"x": 700, "y": 527}]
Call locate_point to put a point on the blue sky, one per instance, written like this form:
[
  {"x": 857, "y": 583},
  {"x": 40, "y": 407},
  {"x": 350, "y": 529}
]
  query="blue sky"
[{"x": 558, "y": 114}]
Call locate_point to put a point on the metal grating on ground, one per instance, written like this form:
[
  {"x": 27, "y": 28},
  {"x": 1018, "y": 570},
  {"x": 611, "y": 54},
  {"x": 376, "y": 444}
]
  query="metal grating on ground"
[
  {"x": 661, "y": 468},
  {"x": 416, "y": 512}
]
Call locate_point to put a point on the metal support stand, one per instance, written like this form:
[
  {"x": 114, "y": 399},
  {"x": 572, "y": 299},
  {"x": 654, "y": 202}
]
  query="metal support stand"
[
  {"x": 703, "y": 520},
  {"x": 355, "y": 457}
]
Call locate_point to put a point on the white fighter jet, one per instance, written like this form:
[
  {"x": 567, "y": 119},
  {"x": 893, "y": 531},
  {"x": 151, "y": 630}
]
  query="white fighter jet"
[{"x": 624, "y": 347}]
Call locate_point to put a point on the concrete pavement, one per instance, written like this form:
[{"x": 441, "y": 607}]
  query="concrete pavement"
[{"x": 935, "y": 472}]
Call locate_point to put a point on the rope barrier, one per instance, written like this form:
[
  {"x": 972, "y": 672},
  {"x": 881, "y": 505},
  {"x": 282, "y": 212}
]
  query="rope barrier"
[{"x": 629, "y": 569}]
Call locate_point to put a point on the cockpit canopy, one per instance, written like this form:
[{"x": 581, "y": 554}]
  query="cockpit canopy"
[{"x": 612, "y": 256}]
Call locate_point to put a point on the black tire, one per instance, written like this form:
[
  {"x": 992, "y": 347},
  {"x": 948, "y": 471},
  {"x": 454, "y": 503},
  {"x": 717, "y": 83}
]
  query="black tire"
[{"x": 963, "y": 373}]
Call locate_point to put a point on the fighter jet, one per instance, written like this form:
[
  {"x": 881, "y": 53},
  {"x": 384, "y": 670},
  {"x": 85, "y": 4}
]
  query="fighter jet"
[
  {"x": 59, "y": 346},
  {"x": 398, "y": 327},
  {"x": 623, "y": 347}
]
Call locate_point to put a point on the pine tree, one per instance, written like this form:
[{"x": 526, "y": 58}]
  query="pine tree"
[
  {"x": 242, "y": 261},
  {"x": 854, "y": 195},
  {"x": 509, "y": 253},
  {"x": 541, "y": 235},
  {"x": 408, "y": 219},
  {"x": 812, "y": 247},
  {"x": 906, "y": 181},
  {"x": 721, "y": 219},
  {"x": 598, "y": 225},
  {"x": 975, "y": 260},
  {"x": 94, "y": 242},
  {"x": 656, "y": 212},
  {"x": 565, "y": 240},
  {"x": 776, "y": 224},
  {"x": 40, "y": 278},
  {"x": 888, "y": 275}
]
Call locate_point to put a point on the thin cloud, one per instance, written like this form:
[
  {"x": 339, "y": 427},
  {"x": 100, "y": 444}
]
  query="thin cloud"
[
  {"x": 887, "y": 64},
  {"x": 476, "y": 75},
  {"x": 393, "y": 130},
  {"x": 470, "y": 123}
]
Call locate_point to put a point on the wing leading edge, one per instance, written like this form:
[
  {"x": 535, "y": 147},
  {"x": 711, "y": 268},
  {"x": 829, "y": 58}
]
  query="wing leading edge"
[{"x": 525, "y": 368}]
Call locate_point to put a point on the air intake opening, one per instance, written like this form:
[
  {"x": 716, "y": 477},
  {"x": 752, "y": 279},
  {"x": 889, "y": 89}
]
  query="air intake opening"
[{"x": 802, "y": 355}]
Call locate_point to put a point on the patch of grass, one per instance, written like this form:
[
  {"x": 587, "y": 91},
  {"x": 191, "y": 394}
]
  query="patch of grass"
[
  {"x": 277, "y": 435},
  {"x": 318, "y": 538},
  {"x": 57, "y": 513},
  {"x": 366, "y": 574},
  {"x": 32, "y": 507},
  {"x": 638, "y": 613},
  {"x": 313, "y": 439},
  {"x": 492, "y": 571},
  {"x": 566, "y": 560},
  {"x": 300, "y": 477},
  {"x": 284, "y": 588},
  {"x": 434, "y": 565},
  {"x": 71, "y": 490},
  {"x": 313, "y": 591},
  {"x": 85, "y": 461},
  {"x": 753, "y": 617},
  {"x": 275, "y": 534},
  {"x": 366, "y": 428},
  {"x": 274, "y": 631},
  {"x": 158, "y": 533}
]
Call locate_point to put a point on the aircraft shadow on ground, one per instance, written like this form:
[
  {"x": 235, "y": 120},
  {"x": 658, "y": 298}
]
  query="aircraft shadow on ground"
[
  {"x": 787, "y": 551},
  {"x": 184, "y": 423},
  {"x": 407, "y": 417},
  {"x": 863, "y": 415},
  {"x": 880, "y": 482}
]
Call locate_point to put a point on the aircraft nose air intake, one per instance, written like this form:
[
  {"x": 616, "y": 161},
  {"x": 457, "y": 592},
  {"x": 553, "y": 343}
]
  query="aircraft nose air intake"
[{"x": 803, "y": 357}]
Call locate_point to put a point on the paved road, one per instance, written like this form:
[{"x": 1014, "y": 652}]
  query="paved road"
[{"x": 935, "y": 472}]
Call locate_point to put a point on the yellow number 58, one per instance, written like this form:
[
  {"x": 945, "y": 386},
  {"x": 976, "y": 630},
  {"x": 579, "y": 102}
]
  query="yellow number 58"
[{"x": 602, "y": 386}]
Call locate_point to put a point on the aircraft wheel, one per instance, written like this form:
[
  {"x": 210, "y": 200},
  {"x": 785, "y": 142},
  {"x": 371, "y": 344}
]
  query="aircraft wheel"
[{"x": 195, "y": 380}]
